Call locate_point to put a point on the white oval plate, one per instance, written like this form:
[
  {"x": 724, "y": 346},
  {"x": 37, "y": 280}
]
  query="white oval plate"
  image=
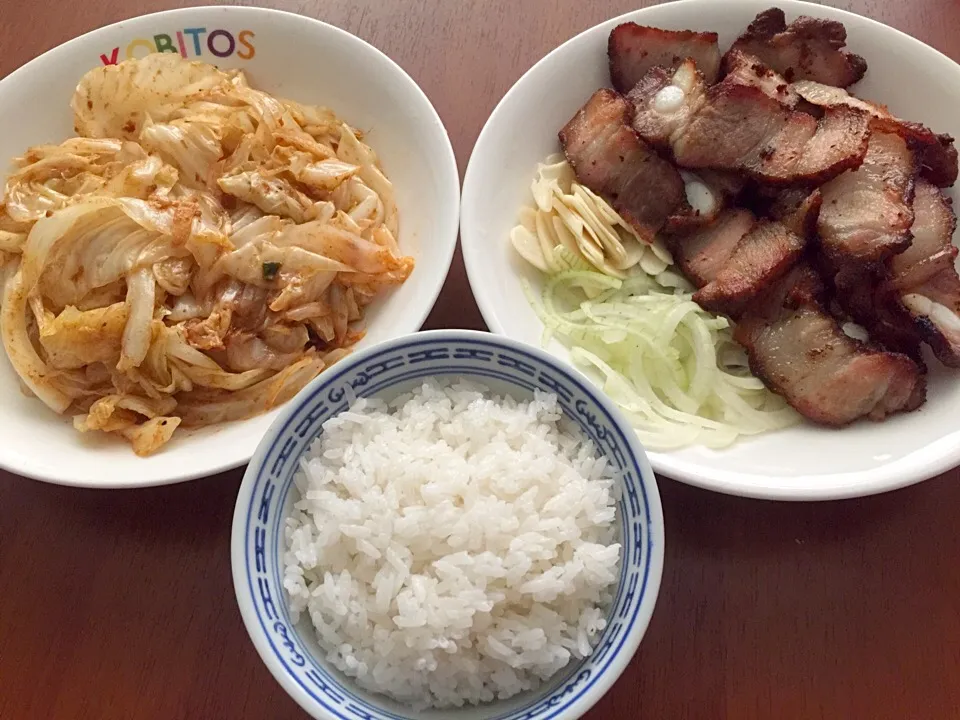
[
  {"x": 283, "y": 53},
  {"x": 801, "y": 463}
]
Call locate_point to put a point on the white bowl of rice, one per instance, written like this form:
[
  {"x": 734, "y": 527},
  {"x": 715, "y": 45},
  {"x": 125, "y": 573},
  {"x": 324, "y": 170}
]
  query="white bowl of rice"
[{"x": 450, "y": 524}]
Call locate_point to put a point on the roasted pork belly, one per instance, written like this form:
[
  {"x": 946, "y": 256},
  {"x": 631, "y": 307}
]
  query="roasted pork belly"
[
  {"x": 807, "y": 49},
  {"x": 869, "y": 299},
  {"x": 801, "y": 353},
  {"x": 703, "y": 252},
  {"x": 745, "y": 124},
  {"x": 633, "y": 49},
  {"x": 926, "y": 277},
  {"x": 837, "y": 189},
  {"x": 798, "y": 209},
  {"x": 739, "y": 127},
  {"x": 707, "y": 194},
  {"x": 827, "y": 376},
  {"x": 822, "y": 95},
  {"x": 867, "y": 213},
  {"x": 761, "y": 257},
  {"x": 915, "y": 297},
  {"x": 664, "y": 101},
  {"x": 610, "y": 159},
  {"x": 937, "y": 153}
]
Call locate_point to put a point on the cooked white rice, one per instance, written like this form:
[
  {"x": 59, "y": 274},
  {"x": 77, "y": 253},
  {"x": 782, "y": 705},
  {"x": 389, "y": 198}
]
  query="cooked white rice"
[{"x": 453, "y": 546}]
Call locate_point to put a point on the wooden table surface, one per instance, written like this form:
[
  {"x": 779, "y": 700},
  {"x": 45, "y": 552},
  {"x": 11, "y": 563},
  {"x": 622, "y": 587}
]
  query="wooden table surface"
[{"x": 120, "y": 604}]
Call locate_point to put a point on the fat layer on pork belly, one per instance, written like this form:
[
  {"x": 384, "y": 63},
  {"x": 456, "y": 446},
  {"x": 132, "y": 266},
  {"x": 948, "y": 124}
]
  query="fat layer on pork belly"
[
  {"x": 664, "y": 101},
  {"x": 633, "y": 49},
  {"x": 807, "y": 49},
  {"x": 707, "y": 194},
  {"x": 610, "y": 159}
]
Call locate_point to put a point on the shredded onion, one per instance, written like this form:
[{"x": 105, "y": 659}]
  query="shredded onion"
[{"x": 657, "y": 354}]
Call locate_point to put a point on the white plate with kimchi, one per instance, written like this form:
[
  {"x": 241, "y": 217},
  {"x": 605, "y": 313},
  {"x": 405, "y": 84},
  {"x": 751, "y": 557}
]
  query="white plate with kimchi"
[
  {"x": 747, "y": 242},
  {"x": 194, "y": 227}
]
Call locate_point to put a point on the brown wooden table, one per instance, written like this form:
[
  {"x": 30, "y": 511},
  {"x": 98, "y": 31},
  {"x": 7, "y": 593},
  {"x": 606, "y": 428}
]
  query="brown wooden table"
[{"x": 120, "y": 604}]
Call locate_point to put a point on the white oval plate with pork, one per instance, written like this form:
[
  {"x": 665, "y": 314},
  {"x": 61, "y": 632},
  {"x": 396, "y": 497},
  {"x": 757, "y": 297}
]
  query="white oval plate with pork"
[{"x": 803, "y": 462}]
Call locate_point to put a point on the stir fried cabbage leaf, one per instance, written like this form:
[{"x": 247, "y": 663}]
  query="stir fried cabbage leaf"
[
  {"x": 196, "y": 254},
  {"x": 629, "y": 322}
]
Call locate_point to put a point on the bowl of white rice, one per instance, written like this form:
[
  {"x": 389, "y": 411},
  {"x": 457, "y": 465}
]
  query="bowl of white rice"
[{"x": 448, "y": 525}]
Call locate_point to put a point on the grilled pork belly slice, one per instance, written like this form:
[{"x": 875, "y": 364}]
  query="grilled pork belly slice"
[
  {"x": 915, "y": 297},
  {"x": 807, "y": 49},
  {"x": 801, "y": 286},
  {"x": 760, "y": 258},
  {"x": 664, "y": 101},
  {"x": 739, "y": 127},
  {"x": 704, "y": 251},
  {"x": 633, "y": 49},
  {"x": 825, "y": 375},
  {"x": 867, "y": 217},
  {"x": 802, "y": 354},
  {"x": 610, "y": 159},
  {"x": 822, "y": 95},
  {"x": 925, "y": 275},
  {"x": 866, "y": 213},
  {"x": 869, "y": 299},
  {"x": 937, "y": 153},
  {"x": 796, "y": 206}
]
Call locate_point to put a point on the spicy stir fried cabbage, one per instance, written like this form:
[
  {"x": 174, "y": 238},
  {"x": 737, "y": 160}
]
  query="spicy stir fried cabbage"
[
  {"x": 630, "y": 323},
  {"x": 197, "y": 254}
]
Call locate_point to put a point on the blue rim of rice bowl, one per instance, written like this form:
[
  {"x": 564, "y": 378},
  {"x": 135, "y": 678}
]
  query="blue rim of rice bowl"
[{"x": 555, "y": 696}]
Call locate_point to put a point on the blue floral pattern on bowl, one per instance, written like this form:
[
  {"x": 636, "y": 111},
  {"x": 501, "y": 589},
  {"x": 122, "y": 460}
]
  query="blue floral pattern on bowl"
[{"x": 268, "y": 493}]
